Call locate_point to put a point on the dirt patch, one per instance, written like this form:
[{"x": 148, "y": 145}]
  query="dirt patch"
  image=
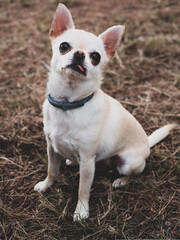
[{"x": 144, "y": 76}]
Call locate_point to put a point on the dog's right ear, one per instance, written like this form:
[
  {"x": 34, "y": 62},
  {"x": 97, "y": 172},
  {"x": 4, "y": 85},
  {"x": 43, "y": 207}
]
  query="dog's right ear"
[{"x": 62, "y": 21}]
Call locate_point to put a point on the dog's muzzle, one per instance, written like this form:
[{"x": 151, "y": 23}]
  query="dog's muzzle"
[{"x": 78, "y": 63}]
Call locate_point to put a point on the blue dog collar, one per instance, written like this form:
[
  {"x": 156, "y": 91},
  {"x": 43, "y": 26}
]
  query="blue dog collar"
[{"x": 69, "y": 105}]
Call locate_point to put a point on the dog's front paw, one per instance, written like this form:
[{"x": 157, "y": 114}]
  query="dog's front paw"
[
  {"x": 41, "y": 186},
  {"x": 82, "y": 211}
]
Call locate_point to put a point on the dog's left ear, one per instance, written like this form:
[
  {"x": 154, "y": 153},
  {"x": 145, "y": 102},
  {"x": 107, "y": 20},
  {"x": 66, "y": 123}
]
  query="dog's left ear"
[
  {"x": 62, "y": 21},
  {"x": 111, "y": 39}
]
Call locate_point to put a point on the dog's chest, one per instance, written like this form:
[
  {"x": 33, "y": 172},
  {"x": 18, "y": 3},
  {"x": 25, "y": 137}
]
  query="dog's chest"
[
  {"x": 63, "y": 139},
  {"x": 65, "y": 145},
  {"x": 63, "y": 132}
]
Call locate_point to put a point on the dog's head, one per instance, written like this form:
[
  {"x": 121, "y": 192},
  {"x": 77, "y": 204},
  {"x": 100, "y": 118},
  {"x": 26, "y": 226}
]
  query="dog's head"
[{"x": 78, "y": 54}]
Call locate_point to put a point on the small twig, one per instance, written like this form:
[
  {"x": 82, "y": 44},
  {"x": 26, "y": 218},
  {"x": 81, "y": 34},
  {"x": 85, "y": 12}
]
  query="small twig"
[
  {"x": 24, "y": 176},
  {"x": 119, "y": 61},
  {"x": 65, "y": 209},
  {"x": 91, "y": 235},
  {"x": 165, "y": 115},
  {"x": 8, "y": 160},
  {"x": 129, "y": 103},
  {"x": 45, "y": 65},
  {"x": 3, "y": 229},
  {"x": 163, "y": 208},
  {"x": 3, "y": 138},
  {"x": 159, "y": 91},
  {"x": 147, "y": 103},
  {"x": 107, "y": 212},
  {"x": 22, "y": 228}
]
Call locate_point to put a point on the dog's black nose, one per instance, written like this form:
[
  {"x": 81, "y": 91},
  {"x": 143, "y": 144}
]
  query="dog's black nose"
[{"x": 78, "y": 55}]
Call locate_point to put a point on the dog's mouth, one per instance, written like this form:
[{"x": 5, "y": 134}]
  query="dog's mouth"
[{"x": 78, "y": 68}]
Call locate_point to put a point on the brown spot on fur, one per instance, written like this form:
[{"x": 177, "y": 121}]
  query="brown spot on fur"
[
  {"x": 114, "y": 161},
  {"x": 82, "y": 46}
]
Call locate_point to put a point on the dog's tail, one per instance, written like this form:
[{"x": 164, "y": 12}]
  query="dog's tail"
[{"x": 160, "y": 134}]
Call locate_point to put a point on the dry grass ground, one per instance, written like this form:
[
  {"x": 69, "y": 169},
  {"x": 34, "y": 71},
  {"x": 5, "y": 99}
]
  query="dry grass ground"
[{"x": 144, "y": 76}]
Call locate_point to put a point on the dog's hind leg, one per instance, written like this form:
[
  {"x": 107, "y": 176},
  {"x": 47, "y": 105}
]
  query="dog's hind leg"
[
  {"x": 54, "y": 162},
  {"x": 130, "y": 165}
]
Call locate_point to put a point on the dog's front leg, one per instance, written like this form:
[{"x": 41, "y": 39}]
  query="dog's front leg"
[
  {"x": 87, "y": 169},
  {"x": 54, "y": 162}
]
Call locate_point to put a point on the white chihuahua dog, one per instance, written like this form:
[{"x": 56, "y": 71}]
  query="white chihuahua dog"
[{"x": 81, "y": 122}]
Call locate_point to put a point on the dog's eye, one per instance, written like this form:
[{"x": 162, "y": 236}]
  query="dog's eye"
[
  {"x": 95, "y": 57},
  {"x": 64, "y": 47}
]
